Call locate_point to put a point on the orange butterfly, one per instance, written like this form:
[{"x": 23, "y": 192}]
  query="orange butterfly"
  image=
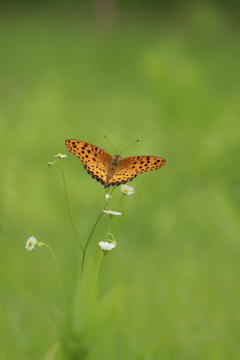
[{"x": 111, "y": 170}]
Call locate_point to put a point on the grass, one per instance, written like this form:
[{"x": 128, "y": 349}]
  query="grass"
[{"x": 170, "y": 290}]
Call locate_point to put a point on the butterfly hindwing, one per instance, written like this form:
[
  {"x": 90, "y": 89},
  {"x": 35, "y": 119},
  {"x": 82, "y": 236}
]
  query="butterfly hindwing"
[{"x": 122, "y": 176}]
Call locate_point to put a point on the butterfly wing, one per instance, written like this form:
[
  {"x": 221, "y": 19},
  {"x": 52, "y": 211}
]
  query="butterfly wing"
[
  {"x": 132, "y": 166},
  {"x": 95, "y": 160}
]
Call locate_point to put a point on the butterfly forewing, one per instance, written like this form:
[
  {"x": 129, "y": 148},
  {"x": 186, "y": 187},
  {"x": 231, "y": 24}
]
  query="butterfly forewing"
[
  {"x": 95, "y": 160},
  {"x": 87, "y": 153},
  {"x": 140, "y": 164},
  {"x": 132, "y": 166}
]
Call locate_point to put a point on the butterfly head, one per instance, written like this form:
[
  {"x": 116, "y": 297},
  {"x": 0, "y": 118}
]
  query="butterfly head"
[{"x": 116, "y": 160}]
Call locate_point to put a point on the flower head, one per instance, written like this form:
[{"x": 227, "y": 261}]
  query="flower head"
[
  {"x": 30, "y": 244},
  {"x": 108, "y": 196},
  {"x": 61, "y": 155},
  {"x": 127, "y": 190},
  {"x": 111, "y": 212},
  {"x": 106, "y": 246}
]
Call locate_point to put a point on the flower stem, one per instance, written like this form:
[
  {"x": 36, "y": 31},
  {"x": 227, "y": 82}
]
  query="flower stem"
[
  {"x": 90, "y": 235},
  {"x": 98, "y": 267},
  {"x": 113, "y": 206},
  {"x": 69, "y": 212},
  {"x": 58, "y": 273}
]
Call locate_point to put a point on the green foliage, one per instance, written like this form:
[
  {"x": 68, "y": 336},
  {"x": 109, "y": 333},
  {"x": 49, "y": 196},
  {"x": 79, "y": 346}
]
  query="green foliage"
[{"x": 170, "y": 289}]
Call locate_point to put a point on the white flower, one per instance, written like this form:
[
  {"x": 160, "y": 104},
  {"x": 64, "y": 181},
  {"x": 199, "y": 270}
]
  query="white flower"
[
  {"x": 111, "y": 212},
  {"x": 61, "y": 155},
  {"x": 108, "y": 196},
  {"x": 106, "y": 245},
  {"x": 127, "y": 190},
  {"x": 30, "y": 244}
]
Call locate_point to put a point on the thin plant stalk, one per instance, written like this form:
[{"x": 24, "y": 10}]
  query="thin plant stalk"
[
  {"x": 69, "y": 211},
  {"x": 98, "y": 267},
  {"x": 58, "y": 273},
  {"x": 90, "y": 235}
]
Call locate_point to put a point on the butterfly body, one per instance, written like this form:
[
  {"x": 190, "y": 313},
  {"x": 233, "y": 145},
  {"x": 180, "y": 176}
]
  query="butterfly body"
[{"x": 111, "y": 170}]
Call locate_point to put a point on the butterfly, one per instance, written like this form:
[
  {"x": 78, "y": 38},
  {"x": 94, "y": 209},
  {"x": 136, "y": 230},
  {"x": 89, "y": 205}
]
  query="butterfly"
[{"x": 111, "y": 170}]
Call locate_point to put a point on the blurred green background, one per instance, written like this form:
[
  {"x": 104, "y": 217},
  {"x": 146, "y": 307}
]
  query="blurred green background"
[{"x": 164, "y": 73}]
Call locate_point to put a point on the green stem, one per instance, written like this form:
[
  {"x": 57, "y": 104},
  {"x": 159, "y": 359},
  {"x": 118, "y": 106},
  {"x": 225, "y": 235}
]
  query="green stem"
[
  {"x": 70, "y": 215},
  {"x": 58, "y": 273},
  {"x": 90, "y": 235},
  {"x": 98, "y": 267},
  {"x": 111, "y": 236},
  {"x": 85, "y": 248},
  {"x": 113, "y": 206}
]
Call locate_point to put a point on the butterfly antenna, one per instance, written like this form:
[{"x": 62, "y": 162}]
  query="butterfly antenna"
[
  {"x": 129, "y": 146},
  {"x": 110, "y": 144}
]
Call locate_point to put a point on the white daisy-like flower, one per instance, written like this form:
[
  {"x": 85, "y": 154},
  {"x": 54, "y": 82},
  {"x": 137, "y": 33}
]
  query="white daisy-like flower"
[
  {"x": 111, "y": 212},
  {"x": 127, "y": 190},
  {"x": 30, "y": 244},
  {"x": 107, "y": 246},
  {"x": 61, "y": 155},
  {"x": 108, "y": 196}
]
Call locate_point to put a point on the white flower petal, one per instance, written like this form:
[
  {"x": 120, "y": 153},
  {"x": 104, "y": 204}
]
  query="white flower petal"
[
  {"x": 30, "y": 244},
  {"x": 111, "y": 212},
  {"x": 106, "y": 245},
  {"x": 127, "y": 190},
  {"x": 61, "y": 155}
]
